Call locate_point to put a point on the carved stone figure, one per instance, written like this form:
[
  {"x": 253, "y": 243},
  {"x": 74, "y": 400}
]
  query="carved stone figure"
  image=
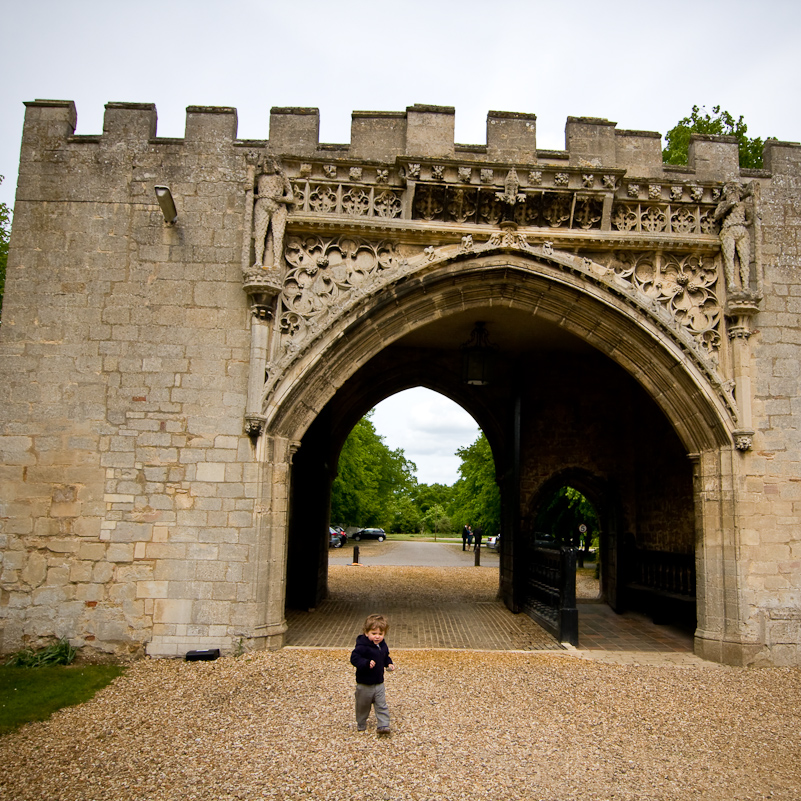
[
  {"x": 274, "y": 196},
  {"x": 735, "y": 238}
]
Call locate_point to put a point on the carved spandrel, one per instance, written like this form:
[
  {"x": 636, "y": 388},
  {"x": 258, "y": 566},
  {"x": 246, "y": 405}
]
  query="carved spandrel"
[
  {"x": 323, "y": 274},
  {"x": 685, "y": 286}
]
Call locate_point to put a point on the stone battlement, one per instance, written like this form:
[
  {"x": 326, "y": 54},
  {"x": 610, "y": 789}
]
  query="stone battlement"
[{"x": 420, "y": 132}]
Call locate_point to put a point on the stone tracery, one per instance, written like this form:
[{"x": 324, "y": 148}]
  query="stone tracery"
[{"x": 324, "y": 276}]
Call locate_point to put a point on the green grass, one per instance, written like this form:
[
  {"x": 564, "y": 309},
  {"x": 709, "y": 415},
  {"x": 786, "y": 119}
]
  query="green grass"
[
  {"x": 28, "y": 694},
  {"x": 427, "y": 537}
]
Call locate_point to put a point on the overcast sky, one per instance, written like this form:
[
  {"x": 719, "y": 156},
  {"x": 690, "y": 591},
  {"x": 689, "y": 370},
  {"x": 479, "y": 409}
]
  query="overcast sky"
[{"x": 640, "y": 64}]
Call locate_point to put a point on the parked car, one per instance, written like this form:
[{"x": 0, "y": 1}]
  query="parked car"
[
  {"x": 334, "y": 540},
  {"x": 494, "y": 543},
  {"x": 343, "y": 537},
  {"x": 370, "y": 534}
]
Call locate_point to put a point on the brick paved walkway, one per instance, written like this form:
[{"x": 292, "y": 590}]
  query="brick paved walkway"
[
  {"x": 605, "y": 636},
  {"x": 486, "y": 626}
]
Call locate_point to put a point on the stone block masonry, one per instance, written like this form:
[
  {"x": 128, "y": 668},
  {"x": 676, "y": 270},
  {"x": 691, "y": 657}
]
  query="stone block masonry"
[{"x": 155, "y": 384}]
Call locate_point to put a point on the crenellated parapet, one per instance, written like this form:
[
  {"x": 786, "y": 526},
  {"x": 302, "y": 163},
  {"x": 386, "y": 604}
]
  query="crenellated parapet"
[{"x": 421, "y": 133}]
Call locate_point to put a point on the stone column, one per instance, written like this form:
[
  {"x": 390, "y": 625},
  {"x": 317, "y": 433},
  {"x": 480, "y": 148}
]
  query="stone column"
[
  {"x": 720, "y": 636},
  {"x": 739, "y": 312},
  {"x": 272, "y": 527}
]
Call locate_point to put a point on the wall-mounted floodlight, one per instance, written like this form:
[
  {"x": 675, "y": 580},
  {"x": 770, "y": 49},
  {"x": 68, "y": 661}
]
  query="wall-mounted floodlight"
[{"x": 164, "y": 197}]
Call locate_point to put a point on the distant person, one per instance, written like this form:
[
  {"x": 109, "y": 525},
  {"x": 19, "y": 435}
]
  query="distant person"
[
  {"x": 469, "y": 536},
  {"x": 479, "y": 534},
  {"x": 465, "y": 532},
  {"x": 370, "y": 657}
]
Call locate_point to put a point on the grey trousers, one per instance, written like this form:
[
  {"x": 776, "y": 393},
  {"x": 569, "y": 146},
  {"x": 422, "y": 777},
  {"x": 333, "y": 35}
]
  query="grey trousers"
[{"x": 368, "y": 695}]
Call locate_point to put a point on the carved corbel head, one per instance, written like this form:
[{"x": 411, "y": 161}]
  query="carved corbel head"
[
  {"x": 743, "y": 440},
  {"x": 254, "y": 425},
  {"x": 262, "y": 288}
]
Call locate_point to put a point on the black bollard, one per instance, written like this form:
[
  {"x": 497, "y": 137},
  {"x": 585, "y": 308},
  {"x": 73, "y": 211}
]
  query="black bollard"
[
  {"x": 355, "y": 554},
  {"x": 478, "y": 556}
]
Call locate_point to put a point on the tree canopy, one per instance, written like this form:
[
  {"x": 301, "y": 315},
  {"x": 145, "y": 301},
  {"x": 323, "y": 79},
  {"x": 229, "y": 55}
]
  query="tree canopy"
[
  {"x": 719, "y": 123},
  {"x": 377, "y": 486},
  {"x": 478, "y": 499},
  {"x": 372, "y": 479}
]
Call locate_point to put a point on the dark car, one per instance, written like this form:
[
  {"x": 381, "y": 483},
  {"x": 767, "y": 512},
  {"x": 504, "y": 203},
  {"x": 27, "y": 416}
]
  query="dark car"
[
  {"x": 370, "y": 534},
  {"x": 334, "y": 540},
  {"x": 343, "y": 537}
]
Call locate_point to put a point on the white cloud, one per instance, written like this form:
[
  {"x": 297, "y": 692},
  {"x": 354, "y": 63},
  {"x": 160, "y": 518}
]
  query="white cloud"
[{"x": 430, "y": 428}]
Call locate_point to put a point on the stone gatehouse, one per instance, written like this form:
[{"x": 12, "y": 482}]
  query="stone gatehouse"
[{"x": 176, "y": 389}]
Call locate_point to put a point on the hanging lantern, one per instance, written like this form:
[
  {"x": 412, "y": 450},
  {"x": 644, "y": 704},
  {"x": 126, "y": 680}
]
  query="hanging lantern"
[{"x": 477, "y": 357}]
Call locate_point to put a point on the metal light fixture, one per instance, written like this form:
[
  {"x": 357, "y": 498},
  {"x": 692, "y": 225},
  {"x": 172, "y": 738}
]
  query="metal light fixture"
[
  {"x": 164, "y": 197},
  {"x": 477, "y": 357}
]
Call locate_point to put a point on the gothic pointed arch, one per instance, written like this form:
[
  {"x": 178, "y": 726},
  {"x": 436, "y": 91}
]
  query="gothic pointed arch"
[{"x": 589, "y": 300}]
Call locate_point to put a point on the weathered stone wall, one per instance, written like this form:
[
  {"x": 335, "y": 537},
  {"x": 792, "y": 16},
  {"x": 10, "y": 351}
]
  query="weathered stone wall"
[
  {"x": 136, "y": 512},
  {"x": 770, "y": 475},
  {"x": 129, "y": 485}
]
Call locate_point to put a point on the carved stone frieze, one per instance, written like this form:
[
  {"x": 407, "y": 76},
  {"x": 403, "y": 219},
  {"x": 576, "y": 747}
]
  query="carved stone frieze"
[
  {"x": 323, "y": 275},
  {"x": 377, "y": 201},
  {"x": 685, "y": 286},
  {"x": 682, "y": 287},
  {"x": 662, "y": 218},
  {"x": 326, "y": 275}
]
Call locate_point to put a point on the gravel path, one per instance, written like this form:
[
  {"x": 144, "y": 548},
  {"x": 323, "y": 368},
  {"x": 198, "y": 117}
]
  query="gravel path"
[
  {"x": 507, "y": 726},
  {"x": 465, "y": 726}
]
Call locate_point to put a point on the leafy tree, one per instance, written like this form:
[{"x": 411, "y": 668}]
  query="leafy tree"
[
  {"x": 370, "y": 479},
  {"x": 404, "y": 515},
  {"x": 719, "y": 123},
  {"x": 427, "y": 495},
  {"x": 437, "y": 521},
  {"x": 478, "y": 499},
  {"x": 5, "y": 235},
  {"x": 562, "y": 516}
]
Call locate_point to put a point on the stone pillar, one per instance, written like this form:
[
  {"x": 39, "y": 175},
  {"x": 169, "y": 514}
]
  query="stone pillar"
[
  {"x": 259, "y": 342},
  {"x": 272, "y": 527},
  {"x": 739, "y": 314},
  {"x": 720, "y": 636}
]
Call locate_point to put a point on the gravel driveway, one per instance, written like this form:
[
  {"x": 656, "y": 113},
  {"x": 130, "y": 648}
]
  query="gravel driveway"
[
  {"x": 501, "y": 726},
  {"x": 507, "y": 726}
]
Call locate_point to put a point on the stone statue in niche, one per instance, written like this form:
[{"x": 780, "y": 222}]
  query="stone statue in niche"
[
  {"x": 735, "y": 238},
  {"x": 273, "y": 197}
]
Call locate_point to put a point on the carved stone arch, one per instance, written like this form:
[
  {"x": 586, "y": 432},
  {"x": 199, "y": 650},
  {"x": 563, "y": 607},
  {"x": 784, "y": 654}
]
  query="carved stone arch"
[
  {"x": 656, "y": 356},
  {"x": 691, "y": 396}
]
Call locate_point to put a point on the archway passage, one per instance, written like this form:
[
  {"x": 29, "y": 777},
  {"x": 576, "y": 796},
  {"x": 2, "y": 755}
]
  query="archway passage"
[
  {"x": 606, "y": 400},
  {"x": 557, "y": 410}
]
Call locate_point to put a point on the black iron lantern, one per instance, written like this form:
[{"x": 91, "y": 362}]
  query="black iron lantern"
[{"x": 477, "y": 357}]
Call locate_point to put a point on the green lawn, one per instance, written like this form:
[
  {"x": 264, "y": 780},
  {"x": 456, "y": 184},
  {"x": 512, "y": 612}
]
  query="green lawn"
[{"x": 28, "y": 694}]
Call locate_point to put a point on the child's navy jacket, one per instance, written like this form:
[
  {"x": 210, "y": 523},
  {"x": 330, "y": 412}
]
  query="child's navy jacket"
[{"x": 366, "y": 652}]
